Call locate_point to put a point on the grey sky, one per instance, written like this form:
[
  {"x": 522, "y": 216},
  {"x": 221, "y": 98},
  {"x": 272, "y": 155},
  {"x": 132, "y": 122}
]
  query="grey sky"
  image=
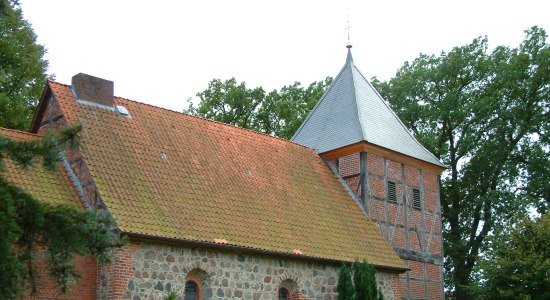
[{"x": 166, "y": 52}]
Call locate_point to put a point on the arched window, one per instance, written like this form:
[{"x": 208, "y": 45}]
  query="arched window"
[
  {"x": 284, "y": 294},
  {"x": 191, "y": 291}
]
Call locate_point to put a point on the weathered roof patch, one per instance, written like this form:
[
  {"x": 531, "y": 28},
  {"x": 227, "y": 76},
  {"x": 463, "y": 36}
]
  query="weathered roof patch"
[{"x": 289, "y": 199}]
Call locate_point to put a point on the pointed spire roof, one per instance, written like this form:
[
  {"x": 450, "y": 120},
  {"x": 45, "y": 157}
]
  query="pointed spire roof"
[{"x": 352, "y": 111}]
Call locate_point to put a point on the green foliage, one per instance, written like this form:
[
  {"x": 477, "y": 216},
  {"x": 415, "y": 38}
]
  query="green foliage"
[
  {"x": 172, "y": 296},
  {"x": 364, "y": 281},
  {"x": 485, "y": 114},
  {"x": 22, "y": 68},
  {"x": 229, "y": 102},
  {"x": 346, "y": 291},
  {"x": 277, "y": 113},
  {"x": 380, "y": 296},
  {"x": 518, "y": 265},
  {"x": 362, "y": 286},
  {"x": 282, "y": 112},
  {"x": 26, "y": 223}
]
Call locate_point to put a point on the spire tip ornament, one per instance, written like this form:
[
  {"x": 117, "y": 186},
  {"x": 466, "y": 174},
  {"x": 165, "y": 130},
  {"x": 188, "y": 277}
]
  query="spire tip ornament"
[{"x": 348, "y": 42}]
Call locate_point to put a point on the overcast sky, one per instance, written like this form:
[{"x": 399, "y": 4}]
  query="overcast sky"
[{"x": 164, "y": 52}]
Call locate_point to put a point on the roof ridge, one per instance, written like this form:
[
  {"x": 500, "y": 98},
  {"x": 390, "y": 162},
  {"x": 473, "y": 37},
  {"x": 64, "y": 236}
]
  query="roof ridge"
[
  {"x": 200, "y": 118},
  {"x": 355, "y": 102}
]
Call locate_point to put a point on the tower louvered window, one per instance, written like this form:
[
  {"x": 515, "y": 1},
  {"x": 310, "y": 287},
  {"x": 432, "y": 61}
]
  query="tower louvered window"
[
  {"x": 392, "y": 192},
  {"x": 416, "y": 198}
]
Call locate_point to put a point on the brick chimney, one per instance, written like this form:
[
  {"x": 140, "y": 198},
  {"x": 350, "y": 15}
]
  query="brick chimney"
[{"x": 93, "y": 89}]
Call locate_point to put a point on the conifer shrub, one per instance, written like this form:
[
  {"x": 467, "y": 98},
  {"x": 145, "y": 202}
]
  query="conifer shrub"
[
  {"x": 358, "y": 282},
  {"x": 346, "y": 290}
]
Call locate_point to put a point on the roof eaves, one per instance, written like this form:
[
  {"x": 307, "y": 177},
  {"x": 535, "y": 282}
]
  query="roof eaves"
[
  {"x": 18, "y": 132},
  {"x": 232, "y": 247}
]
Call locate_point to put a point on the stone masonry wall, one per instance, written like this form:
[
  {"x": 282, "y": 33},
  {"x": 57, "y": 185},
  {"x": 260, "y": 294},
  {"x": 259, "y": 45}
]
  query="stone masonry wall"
[{"x": 152, "y": 270}]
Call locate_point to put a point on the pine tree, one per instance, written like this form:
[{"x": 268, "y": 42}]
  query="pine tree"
[
  {"x": 346, "y": 290},
  {"x": 26, "y": 223},
  {"x": 485, "y": 115}
]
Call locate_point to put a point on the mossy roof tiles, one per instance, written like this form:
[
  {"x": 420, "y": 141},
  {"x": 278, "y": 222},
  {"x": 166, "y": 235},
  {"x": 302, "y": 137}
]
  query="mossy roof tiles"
[
  {"x": 50, "y": 186},
  {"x": 172, "y": 175}
]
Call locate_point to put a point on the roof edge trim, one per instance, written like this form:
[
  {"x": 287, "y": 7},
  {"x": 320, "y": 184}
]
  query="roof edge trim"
[
  {"x": 345, "y": 184},
  {"x": 384, "y": 152},
  {"x": 76, "y": 182},
  {"x": 318, "y": 103},
  {"x": 39, "y": 111},
  {"x": 386, "y": 103}
]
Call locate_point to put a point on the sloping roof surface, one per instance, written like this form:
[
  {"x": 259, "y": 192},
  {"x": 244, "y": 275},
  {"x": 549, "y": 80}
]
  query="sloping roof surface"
[
  {"x": 352, "y": 111},
  {"x": 173, "y": 175},
  {"x": 53, "y": 187}
]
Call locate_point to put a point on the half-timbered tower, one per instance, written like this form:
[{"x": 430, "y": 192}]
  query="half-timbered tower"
[{"x": 386, "y": 170}]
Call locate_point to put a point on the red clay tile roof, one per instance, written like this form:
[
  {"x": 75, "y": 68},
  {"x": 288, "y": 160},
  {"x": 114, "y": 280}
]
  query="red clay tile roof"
[
  {"x": 172, "y": 175},
  {"x": 53, "y": 187}
]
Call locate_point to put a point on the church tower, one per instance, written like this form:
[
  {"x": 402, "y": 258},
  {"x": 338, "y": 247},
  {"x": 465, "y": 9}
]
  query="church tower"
[{"x": 388, "y": 172}]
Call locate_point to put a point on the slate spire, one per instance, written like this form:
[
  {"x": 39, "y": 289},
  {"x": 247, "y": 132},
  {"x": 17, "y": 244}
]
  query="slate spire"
[
  {"x": 352, "y": 111},
  {"x": 349, "y": 57}
]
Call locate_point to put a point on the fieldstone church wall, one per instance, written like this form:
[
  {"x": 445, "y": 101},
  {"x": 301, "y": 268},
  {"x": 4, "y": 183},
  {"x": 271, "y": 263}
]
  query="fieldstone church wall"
[{"x": 146, "y": 270}]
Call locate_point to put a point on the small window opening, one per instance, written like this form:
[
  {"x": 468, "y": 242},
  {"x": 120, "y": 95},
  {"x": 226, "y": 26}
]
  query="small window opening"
[
  {"x": 416, "y": 199},
  {"x": 284, "y": 294},
  {"x": 392, "y": 192},
  {"x": 191, "y": 291}
]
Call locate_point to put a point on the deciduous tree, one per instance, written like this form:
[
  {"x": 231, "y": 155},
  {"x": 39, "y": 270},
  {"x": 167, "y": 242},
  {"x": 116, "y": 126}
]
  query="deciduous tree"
[
  {"x": 485, "y": 114},
  {"x": 278, "y": 113},
  {"x": 282, "y": 112},
  {"x": 229, "y": 102},
  {"x": 518, "y": 265},
  {"x": 22, "y": 68}
]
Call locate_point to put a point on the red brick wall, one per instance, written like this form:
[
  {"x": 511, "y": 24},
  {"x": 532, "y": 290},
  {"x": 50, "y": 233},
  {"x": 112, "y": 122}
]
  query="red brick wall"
[
  {"x": 298, "y": 296},
  {"x": 85, "y": 287},
  {"x": 114, "y": 277}
]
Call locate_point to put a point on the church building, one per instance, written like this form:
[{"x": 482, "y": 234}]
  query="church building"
[{"x": 213, "y": 211}]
